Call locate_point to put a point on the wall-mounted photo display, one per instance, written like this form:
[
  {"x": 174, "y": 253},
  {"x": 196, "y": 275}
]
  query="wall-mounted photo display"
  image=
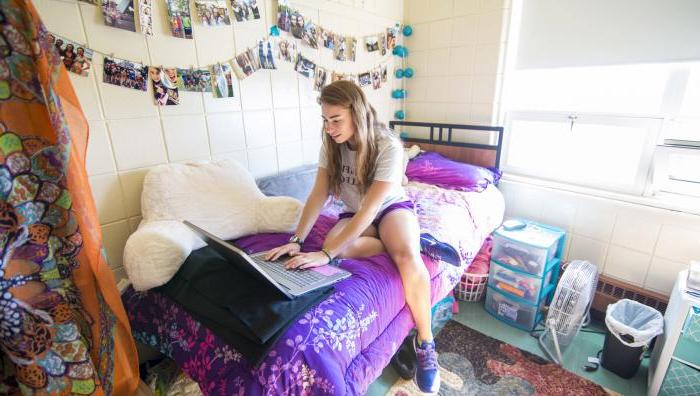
[
  {"x": 305, "y": 67},
  {"x": 179, "y": 18},
  {"x": 310, "y": 35},
  {"x": 246, "y": 64},
  {"x": 222, "y": 80},
  {"x": 164, "y": 84},
  {"x": 326, "y": 38},
  {"x": 194, "y": 80},
  {"x": 212, "y": 12},
  {"x": 266, "y": 53},
  {"x": 287, "y": 50},
  {"x": 344, "y": 48},
  {"x": 75, "y": 57},
  {"x": 372, "y": 43},
  {"x": 320, "y": 78},
  {"x": 382, "y": 43},
  {"x": 119, "y": 14},
  {"x": 245, "y": 10},
  {"x": 297, "y": 24},
  {"x": 125, "y": 73},
  {"x": 284, "y": 16},
  {"x": 391, "y": 34},
  {"x": 364, "y": 79},
  {"x": 146, "y": 17},
  {"x": 384, "y": 73},
  {"x": 376, "y": 74}
]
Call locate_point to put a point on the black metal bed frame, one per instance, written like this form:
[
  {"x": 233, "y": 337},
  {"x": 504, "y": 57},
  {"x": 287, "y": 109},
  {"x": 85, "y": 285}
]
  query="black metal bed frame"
[{"x": 449, "y": 127}]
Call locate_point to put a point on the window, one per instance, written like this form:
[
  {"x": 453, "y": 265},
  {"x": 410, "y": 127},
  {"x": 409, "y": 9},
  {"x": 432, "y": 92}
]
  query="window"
[{"x": 608, "y": 127}]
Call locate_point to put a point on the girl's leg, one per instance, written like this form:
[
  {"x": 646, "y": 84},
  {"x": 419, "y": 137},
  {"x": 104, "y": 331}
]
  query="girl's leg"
[
  {"x": 400, "y": 233},
  {"x": 366, "y": 245}
]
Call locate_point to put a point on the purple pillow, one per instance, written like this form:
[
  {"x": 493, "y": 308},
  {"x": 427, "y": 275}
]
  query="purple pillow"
[{"x": 432, "y": 168}]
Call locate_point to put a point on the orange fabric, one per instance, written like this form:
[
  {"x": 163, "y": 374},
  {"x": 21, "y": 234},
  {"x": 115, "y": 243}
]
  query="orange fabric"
[{"x": 54, "y": 275}]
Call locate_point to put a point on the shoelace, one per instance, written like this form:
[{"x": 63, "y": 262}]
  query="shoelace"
[{"x": 427, "y": 359}]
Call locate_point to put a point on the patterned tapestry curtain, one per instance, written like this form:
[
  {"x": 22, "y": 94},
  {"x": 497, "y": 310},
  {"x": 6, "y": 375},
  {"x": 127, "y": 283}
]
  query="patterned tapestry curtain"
[{"x": 63, "y": 328}]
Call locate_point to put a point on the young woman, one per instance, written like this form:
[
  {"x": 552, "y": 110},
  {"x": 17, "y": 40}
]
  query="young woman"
[{"x": 361, "y": 161}]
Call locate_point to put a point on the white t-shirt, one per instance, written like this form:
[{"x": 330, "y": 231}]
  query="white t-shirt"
[{"x": 389, "y": 169}]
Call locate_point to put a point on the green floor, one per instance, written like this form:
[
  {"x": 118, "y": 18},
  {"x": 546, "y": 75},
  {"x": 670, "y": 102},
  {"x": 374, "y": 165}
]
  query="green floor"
[{"x": 584, "y": 345}]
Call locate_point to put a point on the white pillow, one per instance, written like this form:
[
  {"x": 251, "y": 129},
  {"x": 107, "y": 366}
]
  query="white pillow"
[{"x": 220, "y": 197}]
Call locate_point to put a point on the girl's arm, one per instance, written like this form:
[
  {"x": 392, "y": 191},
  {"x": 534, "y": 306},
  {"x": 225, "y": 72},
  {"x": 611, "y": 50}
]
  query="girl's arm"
[{"x": 369, "y": 207}]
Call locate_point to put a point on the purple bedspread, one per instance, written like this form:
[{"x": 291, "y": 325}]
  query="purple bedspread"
[{"x": 342, "y": 345}]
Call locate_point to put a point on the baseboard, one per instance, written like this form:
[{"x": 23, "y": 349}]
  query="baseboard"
[{"x": 610, "y": 290}]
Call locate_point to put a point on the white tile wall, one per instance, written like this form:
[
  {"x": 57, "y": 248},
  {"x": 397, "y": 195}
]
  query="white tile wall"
[
  {"x": 462, "y": 41},
  {"x": 273, "y": 118},
  {"x": 637, "y": 244}
]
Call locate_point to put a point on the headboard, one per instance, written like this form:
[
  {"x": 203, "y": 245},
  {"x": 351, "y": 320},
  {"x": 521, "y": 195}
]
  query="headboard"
[{"x": 441, "y": 141}]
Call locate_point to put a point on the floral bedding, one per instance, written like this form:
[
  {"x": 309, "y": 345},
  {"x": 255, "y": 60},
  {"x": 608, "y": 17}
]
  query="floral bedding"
[{"x": 342, "y": 345}]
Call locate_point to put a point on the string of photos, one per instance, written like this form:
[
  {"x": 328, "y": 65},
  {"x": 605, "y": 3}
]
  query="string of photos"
[{"x": 168, "y": 82}]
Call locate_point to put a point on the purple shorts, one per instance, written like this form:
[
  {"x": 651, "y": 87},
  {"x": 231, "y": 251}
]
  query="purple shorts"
[{"x": 395, "y": 206}]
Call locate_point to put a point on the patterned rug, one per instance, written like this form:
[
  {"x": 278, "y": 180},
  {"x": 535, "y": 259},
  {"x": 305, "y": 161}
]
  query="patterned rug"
[{"x": 472, "y": 363}]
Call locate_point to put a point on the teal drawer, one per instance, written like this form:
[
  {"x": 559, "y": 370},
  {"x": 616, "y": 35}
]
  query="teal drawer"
[
  {"x": 688, "y": 346},
  {"x": 680, "y": 380}
]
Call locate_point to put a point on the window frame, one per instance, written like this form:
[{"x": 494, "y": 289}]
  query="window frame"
[{"x": 638, "y": 186}]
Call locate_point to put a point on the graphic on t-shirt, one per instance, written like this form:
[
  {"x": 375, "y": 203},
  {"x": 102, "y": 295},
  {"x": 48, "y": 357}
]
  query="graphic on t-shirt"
[{"x": 348, "y": 175}]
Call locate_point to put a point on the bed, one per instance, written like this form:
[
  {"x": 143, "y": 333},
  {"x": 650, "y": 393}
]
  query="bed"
[{"x": 341, "y": 345}]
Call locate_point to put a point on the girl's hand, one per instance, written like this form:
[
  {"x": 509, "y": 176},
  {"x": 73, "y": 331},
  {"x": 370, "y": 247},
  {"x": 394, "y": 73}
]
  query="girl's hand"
[
  {"x": 291, "y": 249},
  {"x": 307, "y": 260}
]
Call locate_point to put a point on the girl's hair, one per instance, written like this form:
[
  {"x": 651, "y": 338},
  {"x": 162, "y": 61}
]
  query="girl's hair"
[{"x": 369, "y": 130}]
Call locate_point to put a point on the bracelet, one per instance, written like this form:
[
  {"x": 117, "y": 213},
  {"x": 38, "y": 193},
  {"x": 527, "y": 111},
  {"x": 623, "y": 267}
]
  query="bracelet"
[{"x": 328, "y": 254}]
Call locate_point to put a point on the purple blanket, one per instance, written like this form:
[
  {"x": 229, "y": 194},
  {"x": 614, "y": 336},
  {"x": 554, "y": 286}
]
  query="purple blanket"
[{"x": 342, "y": 345}]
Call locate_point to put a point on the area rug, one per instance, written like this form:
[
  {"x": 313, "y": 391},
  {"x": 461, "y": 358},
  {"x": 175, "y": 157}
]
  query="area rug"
[{"x": 472, "y": 363}]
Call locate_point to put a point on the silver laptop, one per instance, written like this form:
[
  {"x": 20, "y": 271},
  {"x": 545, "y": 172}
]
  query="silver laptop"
[{"x": 291, "y": 283}]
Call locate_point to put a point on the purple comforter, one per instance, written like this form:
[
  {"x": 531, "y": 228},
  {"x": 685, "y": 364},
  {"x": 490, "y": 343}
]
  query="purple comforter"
[{"x": 342, "y": 345}]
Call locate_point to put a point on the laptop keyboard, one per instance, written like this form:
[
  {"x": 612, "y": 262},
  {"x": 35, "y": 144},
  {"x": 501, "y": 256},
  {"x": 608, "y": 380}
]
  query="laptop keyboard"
[{"x": 295, "y": 277}]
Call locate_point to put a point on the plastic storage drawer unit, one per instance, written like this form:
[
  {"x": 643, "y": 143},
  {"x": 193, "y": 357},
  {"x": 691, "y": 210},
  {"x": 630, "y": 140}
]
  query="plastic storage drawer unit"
[
  {"x": 528, "y": 249},
  {"x": 514, "y": 311},
  {"x": 521, "y": 284}
]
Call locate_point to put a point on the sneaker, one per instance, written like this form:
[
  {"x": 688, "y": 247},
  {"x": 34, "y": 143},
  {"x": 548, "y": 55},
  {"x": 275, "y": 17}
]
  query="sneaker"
[{"x": 427, "y": 372}]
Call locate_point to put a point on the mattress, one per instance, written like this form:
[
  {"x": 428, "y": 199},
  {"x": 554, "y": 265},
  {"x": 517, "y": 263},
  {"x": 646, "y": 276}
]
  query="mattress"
[{"x": 340, "y": 346}]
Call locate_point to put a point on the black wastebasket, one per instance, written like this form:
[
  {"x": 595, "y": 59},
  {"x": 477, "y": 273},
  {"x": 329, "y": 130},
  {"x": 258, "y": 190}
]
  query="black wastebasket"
[
  {"x": 619, "y": 358},
  {"x": 631, "y": 326}
]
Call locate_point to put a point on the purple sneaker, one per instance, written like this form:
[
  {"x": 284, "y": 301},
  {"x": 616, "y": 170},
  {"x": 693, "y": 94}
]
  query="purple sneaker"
[{"x": 427, "y": 372}]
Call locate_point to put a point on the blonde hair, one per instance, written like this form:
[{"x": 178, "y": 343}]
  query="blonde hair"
[{"x": 368, "y": 130}]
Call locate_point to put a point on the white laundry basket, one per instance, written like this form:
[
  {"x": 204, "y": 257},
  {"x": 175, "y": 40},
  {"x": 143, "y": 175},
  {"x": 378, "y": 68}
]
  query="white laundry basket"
[{"x": 472, "y": 287}]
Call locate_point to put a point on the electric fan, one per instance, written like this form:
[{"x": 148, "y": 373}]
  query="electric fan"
[{"x": 569, "y": 310}]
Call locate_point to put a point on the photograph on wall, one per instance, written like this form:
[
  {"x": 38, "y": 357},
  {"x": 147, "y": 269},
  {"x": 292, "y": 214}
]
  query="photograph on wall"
[
  {"x": 305, "y": 67},
  {"x": 288, "y": 50},
  {"x": 372, "y": 43},
  {"x": 222, "y": 80},
  {"x": 179, "y": 18},
  {"x": 320, "y": 78},
  {"x": 326, "y": 38},
  {"x": 310, "y": 35},
  {"x": 344, "y": 48},
  {"x": 245, "y": 10},
  {"x": 119, "y": 14},
  {"x": 296, "y": 24},
  {"x": 391, "y": 34},
  {"x": 75, "y": 57},
  {"x": 125, "y": 73},
  {"x": 382, "y": 43},
  {"x": 165, "y": 91},
  {"x": 266, "y": 54},
  {"x": 364, "y": 79},
  {"x": 145, "y": 17},
  {"x": 194, "y": 80},
  {"x": 243, "y": 65},
  {"x": 212, "y": 12},
  {"x": 284, "y": 16},
  {"x": 385, "y": 75},
  {"x": 376, "y": 74}
]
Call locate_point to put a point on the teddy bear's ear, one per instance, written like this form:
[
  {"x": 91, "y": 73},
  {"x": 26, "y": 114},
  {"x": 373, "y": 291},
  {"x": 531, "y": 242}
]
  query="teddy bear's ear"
[{"x": 278, "y": 214}]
